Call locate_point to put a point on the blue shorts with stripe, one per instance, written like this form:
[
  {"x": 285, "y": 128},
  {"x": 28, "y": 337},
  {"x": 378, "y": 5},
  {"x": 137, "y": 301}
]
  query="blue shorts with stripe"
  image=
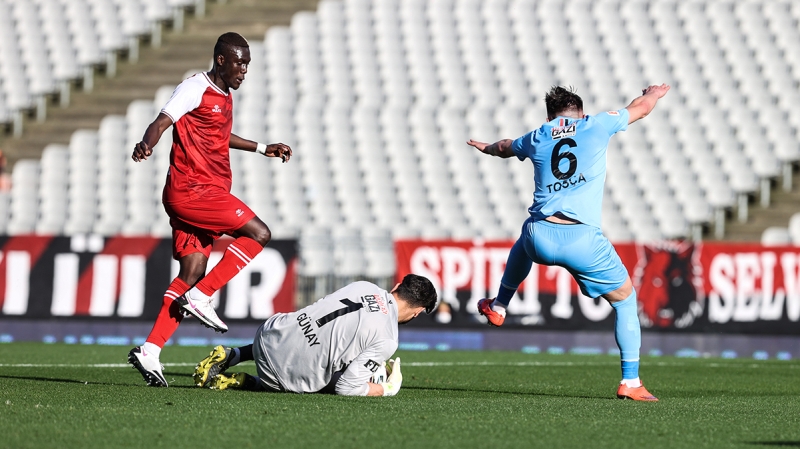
[{"x": 582, "y": 249}]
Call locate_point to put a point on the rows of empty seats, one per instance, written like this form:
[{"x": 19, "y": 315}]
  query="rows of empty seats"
[
  {"x": 377, "y": 98},
  {"x": 406, "y": 83},
  {"x": 46, "y": 44}
]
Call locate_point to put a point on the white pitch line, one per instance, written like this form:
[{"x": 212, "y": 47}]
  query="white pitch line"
[
  {"x": 89, "y": 365},
  {"x": 408, "y": 364},
  {"x": 414, "y": 364},
  {"x": 75, "y": 365},
  {"x": 435, "y": 364}
]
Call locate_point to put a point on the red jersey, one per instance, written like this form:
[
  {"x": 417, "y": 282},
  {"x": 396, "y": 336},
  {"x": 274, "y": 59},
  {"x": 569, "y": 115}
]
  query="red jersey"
[{"x": 202, "y": 117}]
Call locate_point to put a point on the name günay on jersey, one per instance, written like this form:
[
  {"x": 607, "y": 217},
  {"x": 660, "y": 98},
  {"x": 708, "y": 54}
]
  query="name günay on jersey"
[{"x": 373, "y": 303}]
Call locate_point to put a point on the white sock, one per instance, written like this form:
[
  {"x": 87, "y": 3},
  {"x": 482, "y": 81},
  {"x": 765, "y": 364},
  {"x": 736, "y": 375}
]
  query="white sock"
[
  {"x": 197, "y": 295},
  {"x": 152, "y": 349},
  {"x": 499, "y": 308},
  {"x": 632, "y": 383}
]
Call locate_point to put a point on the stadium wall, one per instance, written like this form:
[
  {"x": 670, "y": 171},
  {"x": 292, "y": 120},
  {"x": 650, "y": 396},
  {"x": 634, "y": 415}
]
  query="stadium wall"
[
  {"x": 696, "y": 299},
  {"x": 124, "y": 278},
  {"x": 681, "y": 286}
]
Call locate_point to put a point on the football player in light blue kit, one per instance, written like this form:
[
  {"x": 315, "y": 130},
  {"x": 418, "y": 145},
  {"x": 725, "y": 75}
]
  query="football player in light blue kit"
[{"x": 569, "y": 160}]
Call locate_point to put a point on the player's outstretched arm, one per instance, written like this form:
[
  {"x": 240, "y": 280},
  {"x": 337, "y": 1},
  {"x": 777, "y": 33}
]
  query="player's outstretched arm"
[
  {"x": 280, "y": 150},
  {"x": 501, "y": 148},
  {"x": 152, "y": 135},
  {"x": 641, "y": 106}
]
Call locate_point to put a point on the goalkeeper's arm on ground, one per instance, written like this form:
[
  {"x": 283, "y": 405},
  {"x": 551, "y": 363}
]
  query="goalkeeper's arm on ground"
[{"x": 354, "y": 381}]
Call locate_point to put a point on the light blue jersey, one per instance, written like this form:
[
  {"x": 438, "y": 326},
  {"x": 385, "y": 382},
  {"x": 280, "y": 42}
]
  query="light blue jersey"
[{"x": 569, "y": 160}]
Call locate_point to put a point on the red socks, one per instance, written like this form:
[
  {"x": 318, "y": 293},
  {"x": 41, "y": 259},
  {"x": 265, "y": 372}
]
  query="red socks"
[
  {"x": 170, "y": 315},
  {"x": 239, "y": 253}
]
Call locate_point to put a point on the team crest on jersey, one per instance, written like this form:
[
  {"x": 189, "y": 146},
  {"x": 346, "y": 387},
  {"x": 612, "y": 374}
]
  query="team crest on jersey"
[
  {"x": 216, "y": 108},
  {"x": 564, "y": 129},
  {"x": 375, "y": 303}
]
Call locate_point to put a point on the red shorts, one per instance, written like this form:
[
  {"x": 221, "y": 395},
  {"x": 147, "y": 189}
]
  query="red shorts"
[{"x": 198, "y": 222}]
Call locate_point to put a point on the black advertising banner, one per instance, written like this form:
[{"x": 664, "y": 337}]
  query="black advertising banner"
[
  {"x": 681, "y": 286},
  {"x": 125, "y": 278}
]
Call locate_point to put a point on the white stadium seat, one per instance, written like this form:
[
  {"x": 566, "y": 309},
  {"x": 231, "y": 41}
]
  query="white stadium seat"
[
  {"x": 55, "y": 42},
  {"x": 24, "y": 202},
  {"x": 794, "y": 229},
  {"x": 776, "y": 236}
]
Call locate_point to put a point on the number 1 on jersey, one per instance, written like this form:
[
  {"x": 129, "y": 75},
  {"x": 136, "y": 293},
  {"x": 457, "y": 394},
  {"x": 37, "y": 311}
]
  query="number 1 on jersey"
[{"x": 350, "y": 306}]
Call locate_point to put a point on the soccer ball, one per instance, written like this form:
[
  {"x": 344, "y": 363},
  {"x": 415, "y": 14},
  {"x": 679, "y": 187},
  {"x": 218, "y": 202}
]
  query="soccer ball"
[{"x": 379, "y": 376}]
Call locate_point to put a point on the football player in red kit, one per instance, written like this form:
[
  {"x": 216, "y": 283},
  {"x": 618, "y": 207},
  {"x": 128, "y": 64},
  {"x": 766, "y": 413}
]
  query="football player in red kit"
[{"x": 197, "y": 196}]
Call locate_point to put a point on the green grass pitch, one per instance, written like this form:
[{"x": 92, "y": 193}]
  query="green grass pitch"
[{"x": 75, "y": 396}]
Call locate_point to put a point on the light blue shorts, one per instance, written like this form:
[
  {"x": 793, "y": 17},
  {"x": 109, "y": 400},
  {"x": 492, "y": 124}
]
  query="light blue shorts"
[{"x": 583, "y": 250}]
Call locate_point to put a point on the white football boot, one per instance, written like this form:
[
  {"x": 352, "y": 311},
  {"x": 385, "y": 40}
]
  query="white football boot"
[
  {"x": 148, "y": 365},
  {"x": 200, "y": 306}
]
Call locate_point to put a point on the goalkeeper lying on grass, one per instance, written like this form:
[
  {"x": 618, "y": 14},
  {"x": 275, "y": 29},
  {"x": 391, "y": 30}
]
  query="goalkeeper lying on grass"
[{"x": 337, "y": 345}]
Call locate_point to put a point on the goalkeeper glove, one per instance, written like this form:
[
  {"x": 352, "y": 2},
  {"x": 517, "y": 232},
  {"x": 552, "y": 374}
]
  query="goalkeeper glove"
[{"x": 394, "y": 378}]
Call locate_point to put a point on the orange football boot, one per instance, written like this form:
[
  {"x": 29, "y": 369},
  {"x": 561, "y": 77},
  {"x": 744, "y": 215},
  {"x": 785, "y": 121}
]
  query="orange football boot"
[
  {"x": 485, "y": 309},
  {"x": 637, "y": 394}
]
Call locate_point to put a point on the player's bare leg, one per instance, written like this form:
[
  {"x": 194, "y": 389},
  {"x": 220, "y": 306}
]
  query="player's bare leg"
[
  {"x": 146, "y": 358},
  {"x": 255, "y": 229},
  {"x": 627, "y": 331},
  {"x": 250, "y": 240}
]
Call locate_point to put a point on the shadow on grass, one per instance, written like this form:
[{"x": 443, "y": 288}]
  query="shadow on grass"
[
  {"x": 85, "y": 382},
  {"x": 516, "y": 393},
  {"x": 776, "y": 443}
]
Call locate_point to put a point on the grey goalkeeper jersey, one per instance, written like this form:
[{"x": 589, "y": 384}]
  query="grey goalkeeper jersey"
[{"x": 353, "y": 328}]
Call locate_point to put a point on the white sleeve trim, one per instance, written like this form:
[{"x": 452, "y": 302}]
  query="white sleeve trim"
[{"x": 186, "y": 97}]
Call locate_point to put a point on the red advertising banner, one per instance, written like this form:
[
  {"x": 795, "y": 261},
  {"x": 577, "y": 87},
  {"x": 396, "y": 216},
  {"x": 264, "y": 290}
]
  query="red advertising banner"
[
  {"x": 680, "y": 285},
  {"x": 125, "y": 277}
]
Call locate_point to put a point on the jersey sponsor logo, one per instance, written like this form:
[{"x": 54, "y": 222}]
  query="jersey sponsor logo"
[
  {"x": 565, "y": 130},
  {"x": 216, "y": 108},
  {"x": 613, "y": 112},
  {"x": 372, "y": 365},
  {"x": 239, "y": 212},
  {"x": 375, "y": 303},
  {"x": 304, "y": 321}
]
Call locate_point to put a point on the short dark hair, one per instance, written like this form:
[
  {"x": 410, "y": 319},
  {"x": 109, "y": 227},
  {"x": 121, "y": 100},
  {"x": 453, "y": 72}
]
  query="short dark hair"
[
  {"x": 417, "y": 291},
  {"x": 561, "y": 99},
  {"x": 228, "y": 41}
]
